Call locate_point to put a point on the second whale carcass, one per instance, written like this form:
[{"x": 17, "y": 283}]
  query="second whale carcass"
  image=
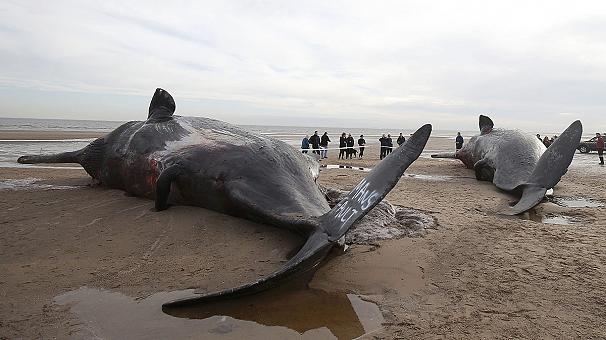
[{"x": 517, "y": 161}]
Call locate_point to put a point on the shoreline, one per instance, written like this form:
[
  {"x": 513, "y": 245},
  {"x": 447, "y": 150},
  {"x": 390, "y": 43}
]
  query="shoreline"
[{"x": 58, "y": 135}]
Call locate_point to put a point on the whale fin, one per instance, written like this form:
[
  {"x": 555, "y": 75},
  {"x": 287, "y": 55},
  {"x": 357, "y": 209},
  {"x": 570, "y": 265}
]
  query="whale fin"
[
  {"x": 163, "y": 184},
  {"x": 550, "y": 168},
  {"x": 161, "y": 108},
  {"x": 333, "y": 224},
  {"x": 484, "y": 170},
  {"x": 486, "y": 124}
]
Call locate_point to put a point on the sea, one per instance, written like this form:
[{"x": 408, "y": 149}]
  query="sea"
[{"x": 10, "y": 150}]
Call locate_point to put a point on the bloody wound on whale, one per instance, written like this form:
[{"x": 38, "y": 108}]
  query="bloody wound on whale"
[{"x": 216, "y": 165}]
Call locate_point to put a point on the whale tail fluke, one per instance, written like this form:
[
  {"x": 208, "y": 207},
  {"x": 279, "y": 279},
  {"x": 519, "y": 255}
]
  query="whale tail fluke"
[
  {"x": 332, "y": 225},
  {"x": 550, "y": 168}
]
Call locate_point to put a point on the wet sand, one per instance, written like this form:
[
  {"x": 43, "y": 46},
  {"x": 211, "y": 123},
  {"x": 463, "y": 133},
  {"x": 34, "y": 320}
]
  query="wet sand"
[{"x": 477, "y": 275}]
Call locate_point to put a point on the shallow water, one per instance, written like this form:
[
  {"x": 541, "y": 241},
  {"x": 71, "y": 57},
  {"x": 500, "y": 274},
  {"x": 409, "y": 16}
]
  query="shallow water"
[
  {"x": 577, "y": 202},
  {"x": 532, "y": 215},
  {"x": 416, "y": 176},
  {"x": 281, "y": 313}
]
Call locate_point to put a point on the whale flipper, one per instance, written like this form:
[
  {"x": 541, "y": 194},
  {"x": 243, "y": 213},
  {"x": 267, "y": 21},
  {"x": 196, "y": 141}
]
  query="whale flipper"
[
  {"x": 333, "y": 225},
  {"x": 552, "y": 165},
  {"x": 163, "y": 185}
]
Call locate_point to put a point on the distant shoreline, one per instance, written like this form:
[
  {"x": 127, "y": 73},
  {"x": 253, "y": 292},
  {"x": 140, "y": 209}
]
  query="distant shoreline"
[{"x": 48, "y": 134}]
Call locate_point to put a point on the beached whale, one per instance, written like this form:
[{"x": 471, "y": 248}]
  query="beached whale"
[
  {"x": 215, "y": 165},
  {"x": 517, "y": 161}
]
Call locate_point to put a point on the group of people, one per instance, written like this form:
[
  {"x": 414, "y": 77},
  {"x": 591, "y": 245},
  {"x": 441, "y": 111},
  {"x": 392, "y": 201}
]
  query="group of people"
[
  {"x": 387, "y": 144},
  {"x": 346, "y": 146},
  {"x": 546, "y": 140},
  {"x": 319, "y": 145}
]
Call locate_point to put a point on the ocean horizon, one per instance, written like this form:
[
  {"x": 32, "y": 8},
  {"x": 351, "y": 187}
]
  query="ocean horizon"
[{"x": 10, "y": 150}]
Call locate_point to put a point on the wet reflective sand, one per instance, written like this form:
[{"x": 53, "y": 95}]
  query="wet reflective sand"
[
  {"x": 559, "y": 219},
  {"x": 282, "y": 313},
  {"x": 577, "y": 202},
  {"x": 424, "y": 177}
]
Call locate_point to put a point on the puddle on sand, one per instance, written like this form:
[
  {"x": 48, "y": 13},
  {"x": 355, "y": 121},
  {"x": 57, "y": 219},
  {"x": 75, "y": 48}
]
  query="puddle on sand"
[
  {"x": 576, "y": 202},
  {"x": 416, "y": 176},
  {"x": 532, "y": 215},
  {"x": 281, "y": 313},
  {"x": 429, "y": 177}
]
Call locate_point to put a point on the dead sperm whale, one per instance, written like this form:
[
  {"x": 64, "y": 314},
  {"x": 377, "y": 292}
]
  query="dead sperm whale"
[
  {"x": 212, "y": 164},
  {"x": 517, "y": 161}
]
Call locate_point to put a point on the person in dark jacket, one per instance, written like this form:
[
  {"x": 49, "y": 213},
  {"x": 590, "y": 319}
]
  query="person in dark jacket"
[
  {"x": 342, "y": 145},
  {"x": 400, "y": 139},
  {"x": 305, "y": 144},
  {"x": 546, "y": 142},
  {"x": 389, "y": 144},
  {"x": 361, "y": 143},
  {"x": 324, "y": 145},
  {"x": 350, "y": 146},
  {"x": 384, "y": 144},
  {"x": 314, "y": 140},
  {"x": 459, "y": 141},
  {"x": 599, "y": 145}
]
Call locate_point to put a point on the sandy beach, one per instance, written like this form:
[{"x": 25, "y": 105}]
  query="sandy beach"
[{"x": 475, "y": 274}]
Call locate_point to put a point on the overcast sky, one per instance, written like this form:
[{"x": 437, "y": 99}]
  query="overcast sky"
[{"x": 536, "y": 65}]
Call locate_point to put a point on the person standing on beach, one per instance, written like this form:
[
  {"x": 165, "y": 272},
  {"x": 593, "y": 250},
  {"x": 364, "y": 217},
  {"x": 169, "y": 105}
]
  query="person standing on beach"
[
  {"x": 350, "y": 146},
  {"x": 314, "y": 140},
  {"x": 305, "y": 144},
  {"x": 361, "y": 143},
  {"x": 400, "y": 139},
  {"x": 389, "y": 144},
  {"x": 459, "y": 141},
  {"x": 324, "y": 145},
  {"x": 342, "y": 145},
  {"x": 383, "y": 141},
  {"x": 599, "y": 145}
]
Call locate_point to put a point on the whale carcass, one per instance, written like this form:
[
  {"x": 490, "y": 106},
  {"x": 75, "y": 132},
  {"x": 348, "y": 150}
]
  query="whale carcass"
[
  {"x": 517, "y": 161},
  {"x": 208, "y": 163}
]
